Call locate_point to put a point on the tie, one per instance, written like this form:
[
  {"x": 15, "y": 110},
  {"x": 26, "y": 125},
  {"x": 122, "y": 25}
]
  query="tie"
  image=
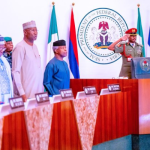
[{"x": 132, "y": 44}]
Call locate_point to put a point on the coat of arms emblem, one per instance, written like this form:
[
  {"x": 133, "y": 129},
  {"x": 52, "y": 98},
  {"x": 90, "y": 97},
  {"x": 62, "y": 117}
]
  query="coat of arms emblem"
[
  {"x": 97, "y": 30},
  {"x": 145, "y": 64}
]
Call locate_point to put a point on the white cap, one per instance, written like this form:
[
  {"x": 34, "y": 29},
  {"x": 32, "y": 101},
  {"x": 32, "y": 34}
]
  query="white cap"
[{"x": 30, "y": 24}]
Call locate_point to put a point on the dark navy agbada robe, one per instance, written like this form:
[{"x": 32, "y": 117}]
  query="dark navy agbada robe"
[{"x": 56, "y": 76}]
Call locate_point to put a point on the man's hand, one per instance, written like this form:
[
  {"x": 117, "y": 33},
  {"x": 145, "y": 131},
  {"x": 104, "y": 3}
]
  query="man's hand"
[
  {"x": 125, "y": 37},
  {"x": 24, "y": 98}
]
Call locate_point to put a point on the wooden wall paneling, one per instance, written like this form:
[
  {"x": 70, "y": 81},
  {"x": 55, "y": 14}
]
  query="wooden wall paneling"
[
  {"x": 1, "y": 131},
  {"x": 7, "y": 133},
  {"x": 117, "y": 116},
  {"x": 135, "y": 105},
  {"x": 126, "y": 113},
  {"x": 64, "y": 132},
  {"x": 76, "y": 85},
  {"x": 114, "y": 117},
  {"x": 75, "y": 131},
  {"x": 107, "y": 120},
  {"x": 14, "y": 133},
  {"x": 118, "y": 113},
  {"x": 130, "y": 121},
  {"x": 144, "y": 106},
  {"x": 101, "y": 119}
]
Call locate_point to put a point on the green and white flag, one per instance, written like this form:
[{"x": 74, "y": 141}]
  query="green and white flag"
[
  {"x": 140, "y": 37},
  {"x": 53, "y": 35}
]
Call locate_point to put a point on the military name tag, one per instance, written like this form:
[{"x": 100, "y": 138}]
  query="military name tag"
[
  {"x": 114, "y": 87},
  {"x": 90, "y": 90},
  {"x": 42, "y": 97},
  {"x": 66, "y": 93},
  {"x": 16, "y": 102}
]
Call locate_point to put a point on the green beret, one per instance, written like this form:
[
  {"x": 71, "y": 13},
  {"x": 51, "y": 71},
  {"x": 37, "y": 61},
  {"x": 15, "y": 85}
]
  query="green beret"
[{"x": 7, "y": 39}]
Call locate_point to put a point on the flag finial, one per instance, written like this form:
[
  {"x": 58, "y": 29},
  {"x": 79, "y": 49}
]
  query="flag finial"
[
  {"x": 138, "y": 5},
  {"x": 53, "y": 3},
  {"x": 73, "y": 4}
]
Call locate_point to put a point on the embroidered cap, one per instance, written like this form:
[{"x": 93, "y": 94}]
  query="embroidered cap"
[{"x": 30, "y": 24}]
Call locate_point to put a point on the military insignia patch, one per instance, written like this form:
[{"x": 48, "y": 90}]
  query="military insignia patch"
[{"x": 145, "y": 64}]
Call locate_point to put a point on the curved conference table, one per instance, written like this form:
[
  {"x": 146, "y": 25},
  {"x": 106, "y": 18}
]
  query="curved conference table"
[{"x": 80, "y": 123}]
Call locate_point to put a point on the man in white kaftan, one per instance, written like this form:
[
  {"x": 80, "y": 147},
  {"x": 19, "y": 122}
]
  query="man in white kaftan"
[
  {"x": 26, "y": 65},
  {"x": 6, "y": 88}
]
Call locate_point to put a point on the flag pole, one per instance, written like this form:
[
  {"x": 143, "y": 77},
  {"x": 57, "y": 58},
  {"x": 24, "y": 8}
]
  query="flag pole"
[
  {"x": 140, "y": 31},
  {"x": 73, "y": 50},
  {"x": 53, "y": 33}
]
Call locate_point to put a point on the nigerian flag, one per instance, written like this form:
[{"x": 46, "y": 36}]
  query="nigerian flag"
[
  {"x": 53, "y": 35},
  {"x": 140, "y": 37}
]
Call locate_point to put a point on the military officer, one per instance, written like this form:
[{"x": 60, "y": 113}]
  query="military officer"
[
  {"x": 8, "y": 51},
  {"x": 128, "y": 50}
]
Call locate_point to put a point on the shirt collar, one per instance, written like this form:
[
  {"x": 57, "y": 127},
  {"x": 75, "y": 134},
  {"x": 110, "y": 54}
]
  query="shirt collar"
[{"x": 132, "y": 44}]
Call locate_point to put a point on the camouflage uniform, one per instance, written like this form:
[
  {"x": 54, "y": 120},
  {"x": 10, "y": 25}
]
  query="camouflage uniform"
[{"x": 135, "y": 51}]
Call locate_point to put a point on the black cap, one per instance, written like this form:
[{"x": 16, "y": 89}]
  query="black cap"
[{"x": 59, "y": 43}]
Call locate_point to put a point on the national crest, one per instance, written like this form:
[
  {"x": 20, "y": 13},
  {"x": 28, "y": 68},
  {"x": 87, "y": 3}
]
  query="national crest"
[
  {"x": 97, "y": 30},
  {"x": 145, "y": 64}
]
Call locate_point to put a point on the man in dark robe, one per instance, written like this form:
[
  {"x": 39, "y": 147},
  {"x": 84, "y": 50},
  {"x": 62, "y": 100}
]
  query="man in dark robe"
[{"x": 57, "y": 74}]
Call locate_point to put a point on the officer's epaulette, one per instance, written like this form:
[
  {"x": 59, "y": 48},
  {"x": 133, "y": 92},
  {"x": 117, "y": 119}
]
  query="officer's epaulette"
[{"x": 139, "y": 44}]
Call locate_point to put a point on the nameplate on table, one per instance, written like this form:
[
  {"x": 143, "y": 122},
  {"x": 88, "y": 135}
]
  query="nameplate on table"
[
  {"x": 89, "y": 90},
  {"x": 114, "y": 87},
  {"x": 16, "y": 102},
  {"x": 66, "y": 93},
  {"x": 42, "y": 97}
]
